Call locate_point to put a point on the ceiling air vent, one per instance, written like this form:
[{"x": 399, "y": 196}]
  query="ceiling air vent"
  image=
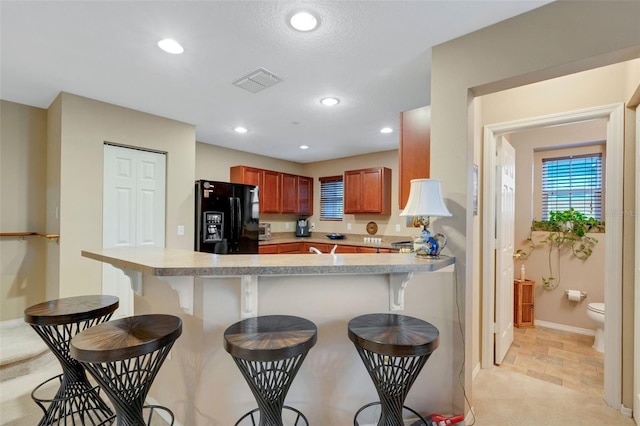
[{"x": 257, "y": 80}]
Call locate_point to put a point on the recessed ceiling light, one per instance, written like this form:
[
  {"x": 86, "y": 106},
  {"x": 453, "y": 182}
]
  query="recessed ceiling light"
[
  {"x": 304, "y": 147},
  {"x": 170, "y": 46},
  {"x": 240, "y": 129},
  {"x": 304, "y": 21},
  {"x": 386, "y": 130},
  {"x": 329, "y": 101}
]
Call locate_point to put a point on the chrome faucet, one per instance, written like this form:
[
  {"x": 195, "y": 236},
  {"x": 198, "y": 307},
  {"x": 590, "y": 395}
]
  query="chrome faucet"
[{"x": 314, "y": 250}]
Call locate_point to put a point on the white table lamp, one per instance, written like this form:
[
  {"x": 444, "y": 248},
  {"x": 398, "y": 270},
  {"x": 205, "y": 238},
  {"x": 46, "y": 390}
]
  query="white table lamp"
[{"x": 425, "y": 201}]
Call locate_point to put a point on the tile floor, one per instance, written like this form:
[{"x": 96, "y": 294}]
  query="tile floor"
[{"x": 559, "y": 357}]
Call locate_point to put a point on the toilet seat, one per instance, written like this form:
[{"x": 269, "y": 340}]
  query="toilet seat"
[{"x": 596, "y": 307}]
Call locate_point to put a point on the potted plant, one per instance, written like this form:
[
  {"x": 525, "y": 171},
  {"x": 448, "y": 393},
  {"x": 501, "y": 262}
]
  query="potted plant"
[{"x": 566, "y": 230}]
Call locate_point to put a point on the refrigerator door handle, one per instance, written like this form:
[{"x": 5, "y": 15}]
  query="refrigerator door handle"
[{"x": 238, "y": 218}]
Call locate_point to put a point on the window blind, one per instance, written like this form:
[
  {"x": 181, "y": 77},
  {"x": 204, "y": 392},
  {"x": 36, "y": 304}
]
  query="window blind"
[
  {"x": 572, "y": 182},
  {"x": 331, "y": 198}
]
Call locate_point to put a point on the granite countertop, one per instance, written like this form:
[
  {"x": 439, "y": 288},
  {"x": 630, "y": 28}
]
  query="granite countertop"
[
  {"x": 321, "y": 238},
  {"x": 174, "y": 262}
]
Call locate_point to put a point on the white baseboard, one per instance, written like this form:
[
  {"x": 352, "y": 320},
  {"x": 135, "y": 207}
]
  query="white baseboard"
[
  {"x": 626, "y": 411},
  {"x": 475, "y": 371},
  {"x": 563, "y": 327}
]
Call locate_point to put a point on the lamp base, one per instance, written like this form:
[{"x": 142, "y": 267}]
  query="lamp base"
[{"x": 427, "y": 245}]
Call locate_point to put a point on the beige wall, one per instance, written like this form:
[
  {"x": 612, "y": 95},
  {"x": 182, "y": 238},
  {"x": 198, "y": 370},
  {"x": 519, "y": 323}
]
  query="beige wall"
[
  {"x": 85, "y": 125},
  {"x": 570, "y": 273},
  {"x": 554, "y": 40},
  {"x": 23, "y": 167}
]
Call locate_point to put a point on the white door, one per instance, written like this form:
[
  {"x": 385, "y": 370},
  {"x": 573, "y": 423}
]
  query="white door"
[
  {"x": 505, "y": 218},
  {"x": 133, "y": 211}
]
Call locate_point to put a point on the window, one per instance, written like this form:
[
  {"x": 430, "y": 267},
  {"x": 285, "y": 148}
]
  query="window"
[
  {"x": 331, "y": 195},
  {"x": 572, "y": 182}
]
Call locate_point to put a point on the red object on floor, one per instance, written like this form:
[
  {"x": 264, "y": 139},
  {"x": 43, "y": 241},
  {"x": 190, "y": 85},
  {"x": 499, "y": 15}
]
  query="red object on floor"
[{"x": 438, "y": 420}]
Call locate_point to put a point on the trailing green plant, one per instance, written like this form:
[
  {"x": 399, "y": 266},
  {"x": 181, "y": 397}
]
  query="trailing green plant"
[{"x": 567, "y": 230}]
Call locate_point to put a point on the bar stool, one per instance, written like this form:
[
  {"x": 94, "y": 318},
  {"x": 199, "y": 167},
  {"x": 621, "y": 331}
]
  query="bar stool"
[
  {"x": 393, "y": 348},
  {"x": 124, "y": 356},
  {"x": 269, "y": 351},
  {"x": 56, "y": 322}
]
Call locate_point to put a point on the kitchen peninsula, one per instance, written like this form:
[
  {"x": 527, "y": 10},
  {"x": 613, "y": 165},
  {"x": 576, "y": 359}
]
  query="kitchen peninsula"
[{"x": 200, "y": 382}]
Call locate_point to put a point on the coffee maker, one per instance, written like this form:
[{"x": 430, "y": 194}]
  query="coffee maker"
[{"x": 302, "y": 228}]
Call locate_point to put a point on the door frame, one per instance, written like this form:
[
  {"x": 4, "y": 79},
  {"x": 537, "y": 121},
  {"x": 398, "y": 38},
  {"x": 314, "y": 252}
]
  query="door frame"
[{"x": 614, "y": 114}]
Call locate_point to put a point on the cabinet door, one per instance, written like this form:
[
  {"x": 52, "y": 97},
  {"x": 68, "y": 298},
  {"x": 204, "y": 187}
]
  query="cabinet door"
[
  {"x": 246, "y": 175},
  {"x": 270, "y": 196},
  {"x": 413, "y": 149},
  {"x": 371, "y": 191},
  {"x": 289, "y": 193},
  {"x": 352, "y": 191},
  {"x": 268, "y": 249},
  {"x": 346, "y": 249},
  {"x": 290, "y": 248},
  {"x": 305, "y": 195}
]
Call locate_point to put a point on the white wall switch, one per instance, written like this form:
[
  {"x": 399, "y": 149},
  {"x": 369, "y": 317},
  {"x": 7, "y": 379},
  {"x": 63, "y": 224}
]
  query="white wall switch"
[
  {"x": 286, "y": 226},
  {"x": 180, "y": 229},
  {"x": 397, "y": 227},
  {"x": 348, "y": 227}
]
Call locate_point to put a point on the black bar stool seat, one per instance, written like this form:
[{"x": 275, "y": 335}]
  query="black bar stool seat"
[
  {"x": 269, "y": 351},
  {"x": 393, "y": 348},
  {"x": 124, "y": 356},
  {"x": 56, "y": 321}
]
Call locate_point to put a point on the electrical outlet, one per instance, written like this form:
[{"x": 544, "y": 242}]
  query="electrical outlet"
[
  {"x": 348, "y": 227},
  {"x": 397, "y": 227},
  {"x": 313, "y": 224},
  {"x": 286, "y": 226},
  {"x": 180, "y": 229}
]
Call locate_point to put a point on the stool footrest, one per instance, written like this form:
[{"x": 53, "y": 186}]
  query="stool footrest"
[
  {"x": 364, "y": 407},
  {"x": 251, "y": 414}
]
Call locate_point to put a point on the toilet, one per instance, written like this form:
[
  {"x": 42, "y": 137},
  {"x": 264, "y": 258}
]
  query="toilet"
[{"x": 595, "y": 311}]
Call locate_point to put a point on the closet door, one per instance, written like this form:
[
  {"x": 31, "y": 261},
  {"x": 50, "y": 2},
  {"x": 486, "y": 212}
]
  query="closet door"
[{"x": 133, "y": 211}]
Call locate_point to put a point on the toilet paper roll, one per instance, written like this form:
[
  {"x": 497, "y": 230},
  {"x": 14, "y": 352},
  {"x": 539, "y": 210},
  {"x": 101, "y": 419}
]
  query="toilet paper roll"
[{"x": 574, "y": 295}]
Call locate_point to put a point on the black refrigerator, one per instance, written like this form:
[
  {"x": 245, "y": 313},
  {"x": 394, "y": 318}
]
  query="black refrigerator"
[{"x": 227, "y": 217}]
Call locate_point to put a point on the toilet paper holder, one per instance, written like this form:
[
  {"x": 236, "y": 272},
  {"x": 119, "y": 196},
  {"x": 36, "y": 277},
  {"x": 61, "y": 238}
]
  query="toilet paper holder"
[{"x": 583, "y": 294}]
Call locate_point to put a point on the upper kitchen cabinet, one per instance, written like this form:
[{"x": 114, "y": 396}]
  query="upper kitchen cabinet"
[
  {"x": 414, "y": 149},
  {"x": 367, "y": 191},
  {"x": 279, "y": 192}
]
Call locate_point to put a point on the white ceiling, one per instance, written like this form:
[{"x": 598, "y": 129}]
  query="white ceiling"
[{"x": 373, "y": 55}]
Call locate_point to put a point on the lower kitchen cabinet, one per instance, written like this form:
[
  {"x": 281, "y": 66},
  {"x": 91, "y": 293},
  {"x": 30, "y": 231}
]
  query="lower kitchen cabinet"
[{"x": 268, "y": 249}]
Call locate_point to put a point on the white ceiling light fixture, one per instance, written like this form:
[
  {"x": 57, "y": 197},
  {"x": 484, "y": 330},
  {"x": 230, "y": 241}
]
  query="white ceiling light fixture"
[
  {"x": 304, "y": 147},
  {"x": 386, "y": 130},
  {"x": 170, "y": 46},
  {"x": 304, "y": 21},
  {"x": 329, "y": 101},
  {"x": 240, "y": 129}
]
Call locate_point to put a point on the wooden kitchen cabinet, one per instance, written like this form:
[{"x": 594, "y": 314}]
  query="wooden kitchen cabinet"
[
  {"x": 372, "y": 250},
  {"x": 324, "y": 248},
  {"x": 289, "y": 198},
  {"x": 305, "y": 195},
  {"x": 367, "y": 191},
  {"x": 268, "y": 249},
  {"x": 279, "y": 192},
  {"x": 414, "y": 149},
  {"x": 523, "y": 298},
  {"x": 290, "y": 248}
]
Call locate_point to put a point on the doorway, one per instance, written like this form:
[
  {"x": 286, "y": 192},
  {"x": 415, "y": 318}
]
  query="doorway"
[
  {"x": 614, "y": 114},
  {"x": 133, "y": 211}
]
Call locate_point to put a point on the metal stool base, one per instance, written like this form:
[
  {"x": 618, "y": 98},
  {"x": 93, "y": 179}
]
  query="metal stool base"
[
  {"x": 251, "y": 414},
  {"x": 364, "y": 407},
  {"x": 78, "y": 403}
]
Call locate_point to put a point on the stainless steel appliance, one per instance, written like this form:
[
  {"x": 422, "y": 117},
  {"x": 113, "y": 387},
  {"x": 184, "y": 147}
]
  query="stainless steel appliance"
[
  {"x": 302, "y": 228},
  {"x": 226, "y": 217},
  {"x": 264, "y": 231}
]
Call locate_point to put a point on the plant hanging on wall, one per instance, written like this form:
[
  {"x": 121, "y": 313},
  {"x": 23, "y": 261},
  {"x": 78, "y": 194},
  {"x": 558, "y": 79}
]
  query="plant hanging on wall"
[{"x": 567, "y": 230}]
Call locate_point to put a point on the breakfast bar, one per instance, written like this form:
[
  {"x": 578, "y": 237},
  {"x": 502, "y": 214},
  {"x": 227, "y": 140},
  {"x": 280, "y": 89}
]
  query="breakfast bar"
[{"x": 199, "y": 381}]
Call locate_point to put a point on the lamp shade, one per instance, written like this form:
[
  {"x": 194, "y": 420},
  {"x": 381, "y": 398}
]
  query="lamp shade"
[{"x": 425, "y": 199}]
